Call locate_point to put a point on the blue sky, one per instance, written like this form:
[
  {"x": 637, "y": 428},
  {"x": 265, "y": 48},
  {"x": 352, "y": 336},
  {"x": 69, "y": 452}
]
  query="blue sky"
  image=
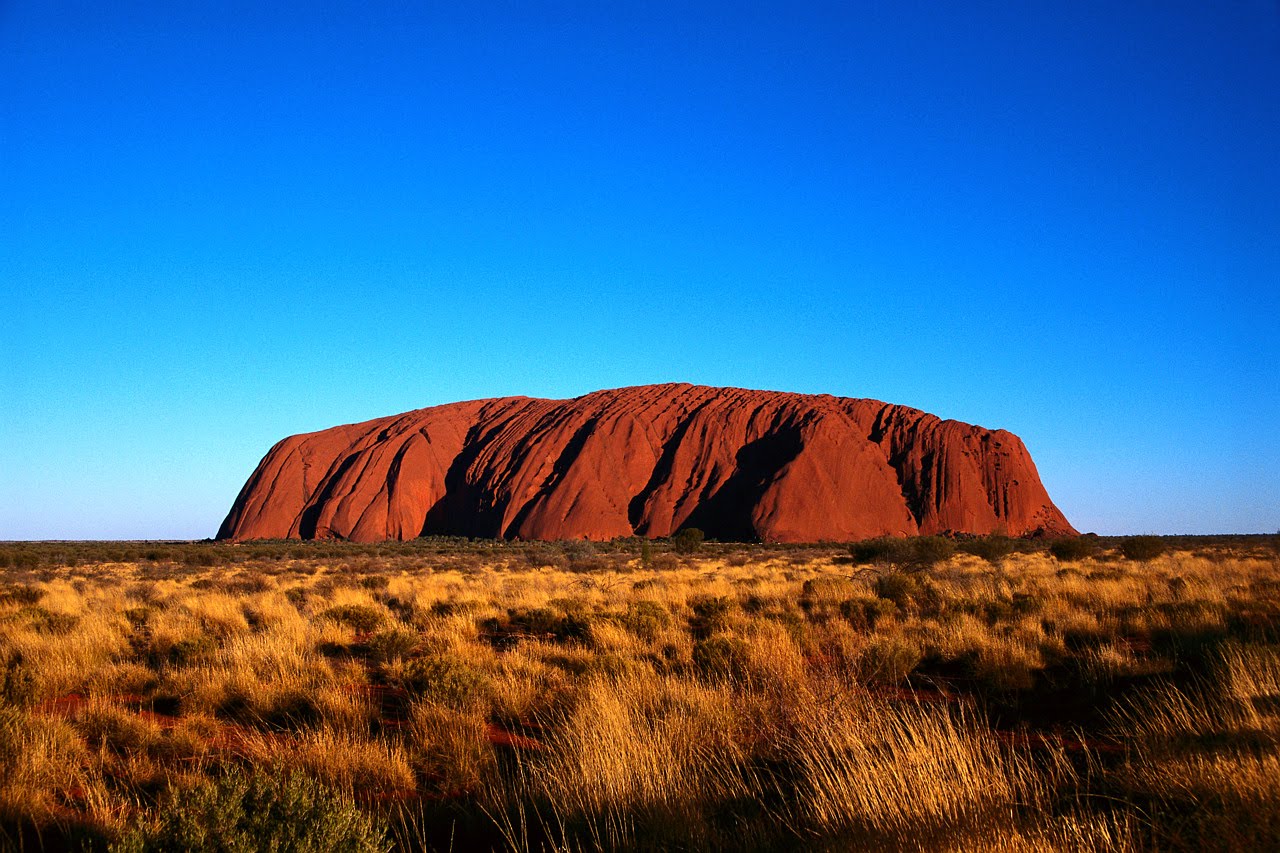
[{"x": 223, "y": 224}]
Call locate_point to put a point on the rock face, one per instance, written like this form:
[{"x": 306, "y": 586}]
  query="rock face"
[{"x": 647, "y": 461}]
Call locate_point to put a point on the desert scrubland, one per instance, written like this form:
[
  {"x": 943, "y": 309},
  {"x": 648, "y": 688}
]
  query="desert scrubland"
[{"x": 445, "y": 694}]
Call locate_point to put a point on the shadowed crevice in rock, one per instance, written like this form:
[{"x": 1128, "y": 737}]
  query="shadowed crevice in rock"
[
  {"x": 913, "y": 482},
  {"x": 726, "y": 514},
  {"x": 311, "y": 514},
  {"x": 459, "y": 511},
  {"x": 661, "y": 472},
  {"x": 558, "y": 471}
]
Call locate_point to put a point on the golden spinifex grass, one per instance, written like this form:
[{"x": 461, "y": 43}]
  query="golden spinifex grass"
[{"x": 572, "y": 699}]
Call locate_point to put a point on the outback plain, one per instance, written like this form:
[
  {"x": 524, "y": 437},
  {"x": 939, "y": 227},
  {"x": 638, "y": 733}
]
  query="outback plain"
[{"x": 450, "y": 694}]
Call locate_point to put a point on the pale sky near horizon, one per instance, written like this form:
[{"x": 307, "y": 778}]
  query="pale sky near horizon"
[{"x": 223, "y": 224}]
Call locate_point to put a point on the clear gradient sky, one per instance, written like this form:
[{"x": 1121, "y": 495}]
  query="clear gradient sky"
[{"x": 221, "y": 224}]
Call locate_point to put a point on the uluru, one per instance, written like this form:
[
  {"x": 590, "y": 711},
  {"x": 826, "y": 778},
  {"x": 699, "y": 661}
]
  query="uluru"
[{"x": 648, "y": 461}]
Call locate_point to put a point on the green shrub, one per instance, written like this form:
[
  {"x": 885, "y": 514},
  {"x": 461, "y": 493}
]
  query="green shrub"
[
  {"x": 21, "y": 594},
  {"x": 199, "y": 558},
  {"x": 889, "y": 659},
  {"x": 1073, "y": 548},
  {"x": 449, "y": 608},
  {"x": 190, "y": 649},
  {"x": 570, "y": 605},
  {"x": 578, "y": 549},
  {"x": 297, "y": 595},
  {"x": 543, "y": 556},
  {"x": 18, "y": 685},
  {"x": 865, "y": 613},
  {"x": 827, "y": 587},
  {"x": 375, "y": 583},
  {"x": 993, "y": 548},
  {"x": 928, "y": 551},
  {"x": 391, "y": 644},
  {"x": 664, "y": 562},
  {"x": 537, "y": 622},
  {"x": 586, "y": 565},
  {"x": 688, "y": 541},
  {"x": 820, "y": 598},
  {"x": 1142, "y": 548},
  {"x": 363, "y": 618},
  {"x": 710, "y": 614},
  {"x": 48, "y": 622},
  {"x": 917, "y": 552},
  {"x": 242, "y": 813},
  {"x": 646, "y": 619},
  {"x": 898, "y": 587},
  {"x": 611, "y": 665},
  {"x": 881, "y": 550},
  {"x": 138, "y": 616},
  {"x": 581, "y": 556},
  {"x": 446, "y": 681},
  {"x": 720, "y": 657}
]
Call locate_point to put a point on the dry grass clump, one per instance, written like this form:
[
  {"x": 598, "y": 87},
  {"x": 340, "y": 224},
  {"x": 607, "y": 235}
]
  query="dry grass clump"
[
  {"x": 868, "y": 769},
  {"x": 640, "y": 743},
  {"x": 1207, "y": 754},
  {"x": 41, "y": 759},
  {"x": 454, "y": 695}
]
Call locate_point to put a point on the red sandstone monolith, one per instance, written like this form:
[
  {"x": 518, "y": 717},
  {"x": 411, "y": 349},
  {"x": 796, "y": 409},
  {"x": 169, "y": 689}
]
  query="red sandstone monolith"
[{"x": 648, "y": 461}]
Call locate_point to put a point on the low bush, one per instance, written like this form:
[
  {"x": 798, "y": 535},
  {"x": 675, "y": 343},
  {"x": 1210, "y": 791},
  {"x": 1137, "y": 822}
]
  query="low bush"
[
  {"x": 688, "y": 541},
  {"x": 994, "y": 548},
  {"x": 1142, "y": 548},
  {"x": 445, "y": 680},
  {"x": 720, "y": 657},
  {"x": 536, "y": 623},
  {"x": 646, "y": 619},
  {"x": 865, "y": 613},
  {"x": 889, "y": 659},
  {"x": 928, "y": 551},
  {"x": 391, "y": 644},
  {"x": 363, "y": 618},
  {"x": 240, "y": 813},
  {"x": 919, "y": 552},
  {"x": 47, "y": 621},
  {"x": 18, "y": 683},
  {"x": 897, "y": 587},
  {"x": 186, "y": 650},
  {"x": 1072, "y": 548},
  {"x": 664, "y": 562},
  {"x": 21, "y": 594},
  {"x": 880, "y": 550},
  {"x": 710, "y": 614}
]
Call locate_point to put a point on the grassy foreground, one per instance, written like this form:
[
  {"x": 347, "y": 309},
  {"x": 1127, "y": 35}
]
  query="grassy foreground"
[{"x": 471, "y": 696}]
